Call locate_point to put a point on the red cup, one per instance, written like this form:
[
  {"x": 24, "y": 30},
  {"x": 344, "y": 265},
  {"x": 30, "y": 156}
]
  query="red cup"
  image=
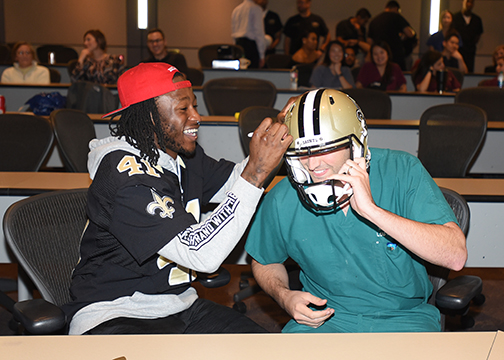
[{"x": 2, "y": 104}]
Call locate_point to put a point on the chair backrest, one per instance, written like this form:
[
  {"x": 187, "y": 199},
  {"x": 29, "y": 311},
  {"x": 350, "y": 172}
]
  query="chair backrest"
[
  {"x": 375, "y": 104},
  {"x": 208, "y": 53},
  {"x": 71, "y": 66},
  {"x": 195, "y": 76},
  {"x": 5, "y": 54},
  {"x": 450, "y": 135},
  {"x": 227, "y": 96},
  {"x": 459, "y": 75},
  {"x": 439, "y": 275},
  {"x": 355, "y": 73},
  {"x": 25, "y": 141},
  {"x": 62, "y": 54},
  {"x": 54, "y": 75},
  {"x": 44, "y": 234},
  {"x": 489, "y": 99},
  {"x": 304, "y": 74},
  {"x": 73, "y": 130},
  {"x": 249, "y": 120},
  {"x": 91, "y": 98},
  {"x": 278, "y": 61}
]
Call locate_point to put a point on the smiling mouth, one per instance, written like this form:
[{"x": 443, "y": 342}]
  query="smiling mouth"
[{"x": 191, "y": 132}]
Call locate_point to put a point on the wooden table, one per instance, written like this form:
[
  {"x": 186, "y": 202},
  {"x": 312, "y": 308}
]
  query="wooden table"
[
  {"x": 379, "y": 346},
  {"x": 31, "y": 183}
]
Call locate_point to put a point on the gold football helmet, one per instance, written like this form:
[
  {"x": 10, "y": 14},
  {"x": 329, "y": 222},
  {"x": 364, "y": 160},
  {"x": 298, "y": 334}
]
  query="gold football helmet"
[{"x": 322, "y": 121}]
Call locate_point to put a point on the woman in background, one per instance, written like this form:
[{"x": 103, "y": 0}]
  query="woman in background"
[
  {"x": 330, "y": 74},
  {"x": 499, "y": 69},
  {"x": 94, "y": 63},
  {"x": 498, "y": 52},
  {"x": 435, "y": 41},
  {"x": 424, "y": 77},
  {"x": 25, "y": 69},
  {"x": 381, "y": 73}
]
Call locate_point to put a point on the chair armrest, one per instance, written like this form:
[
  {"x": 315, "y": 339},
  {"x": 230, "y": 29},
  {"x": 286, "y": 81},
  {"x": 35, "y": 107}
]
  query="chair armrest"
[
  {"x": 458, "y": 292},
  {"x": 219, "y": 278},
  {"x": 39, "y": 317}
]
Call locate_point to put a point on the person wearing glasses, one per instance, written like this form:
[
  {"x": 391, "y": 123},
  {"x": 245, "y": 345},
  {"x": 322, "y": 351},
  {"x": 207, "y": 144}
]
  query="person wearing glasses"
[
  {"x": 159, "y": 52},
  {"x": 25, "y": 69}
]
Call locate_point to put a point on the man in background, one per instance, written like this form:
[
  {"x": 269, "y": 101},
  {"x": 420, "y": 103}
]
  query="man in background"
[
  {"x": 391, "y": 27},
  {"x": 470, "y": 28},
  {"x": 352, "y": 33},
  {"x": 272, "y": 26},
  {"x": 451, "y": 55},
  {"x": 159, "y": 52},
  {"x": 247, "y": 29},
  {"x": 299, "y": 24}
]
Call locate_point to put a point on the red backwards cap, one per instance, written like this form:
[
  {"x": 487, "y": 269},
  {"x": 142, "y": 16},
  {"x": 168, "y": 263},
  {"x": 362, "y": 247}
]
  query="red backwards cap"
[{"x": 146, "y": 81}]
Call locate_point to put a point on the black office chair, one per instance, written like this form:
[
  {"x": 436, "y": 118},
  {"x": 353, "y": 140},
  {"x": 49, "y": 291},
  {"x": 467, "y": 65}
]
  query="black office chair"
[
  {"x": 73, "y": 130},
  {"x": 44, "y": 233},
  {"x": 278, "y": 61},
  {"x": 208, "y": 53},
  {"x": 450, "y": 136},
  {"x": 375, "y": 104},
  {"x": 488, "y": 98},
  {"x": 62, "y": 54},
  {"x": 355, "y": 73},
  {"x": 304, "y": 74},
  {"x": 227, "y": 96},
  {"x": 195, "y": 76},
  {"x": 55, "y": 75},
  {"x": 25, "y": 141},
  {"x": 248, "y": 121},
  {"x": 459, "y": 75},
  {"x": 91, "y": 98},
  {"x": 71, "y": 66},
  {"x": 454, "y": 297},
  {"x": 5, "y": 54}
]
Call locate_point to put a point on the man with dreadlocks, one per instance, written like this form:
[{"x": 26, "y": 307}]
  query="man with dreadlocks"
[{"x": 144, "y": 239}]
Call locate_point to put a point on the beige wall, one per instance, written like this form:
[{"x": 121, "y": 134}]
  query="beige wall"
[
  {"x": 192, "y": 23},
  {"x": 65, "y": 21}
]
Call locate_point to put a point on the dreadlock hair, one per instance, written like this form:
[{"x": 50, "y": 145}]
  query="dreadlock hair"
[{"x": 141, "y": 127}]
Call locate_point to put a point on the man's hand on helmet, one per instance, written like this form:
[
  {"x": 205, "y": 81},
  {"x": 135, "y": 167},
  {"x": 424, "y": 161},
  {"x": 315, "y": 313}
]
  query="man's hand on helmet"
[{"x": 267, "y": 147}]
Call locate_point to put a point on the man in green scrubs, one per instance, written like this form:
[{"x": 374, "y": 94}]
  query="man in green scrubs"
[{"x": 359, "y": 226}]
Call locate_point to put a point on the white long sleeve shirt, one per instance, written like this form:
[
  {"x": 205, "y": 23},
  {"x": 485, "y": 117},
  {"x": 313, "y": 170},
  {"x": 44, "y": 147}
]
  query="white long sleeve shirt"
[{"x": 247, "y": 20}]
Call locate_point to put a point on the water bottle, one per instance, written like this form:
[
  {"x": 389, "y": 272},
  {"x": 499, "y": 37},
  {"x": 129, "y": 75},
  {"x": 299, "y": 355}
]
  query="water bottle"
[
  {"x": 51, "y": 58},
  {"x": 500, "y": 79},
  {"x": 294, "y": 78}
]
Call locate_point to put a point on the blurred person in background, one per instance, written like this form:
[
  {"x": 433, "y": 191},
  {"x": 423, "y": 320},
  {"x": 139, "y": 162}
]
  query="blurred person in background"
[
  {"x": 424, "y": 77},
  {"x": 381, "y": 73},
  {"x": 159, "y": 52},
  {"x": 331, "y": 73},
  {"x": 25, "y": 69},
  {"x": 94, "y": 64}
]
